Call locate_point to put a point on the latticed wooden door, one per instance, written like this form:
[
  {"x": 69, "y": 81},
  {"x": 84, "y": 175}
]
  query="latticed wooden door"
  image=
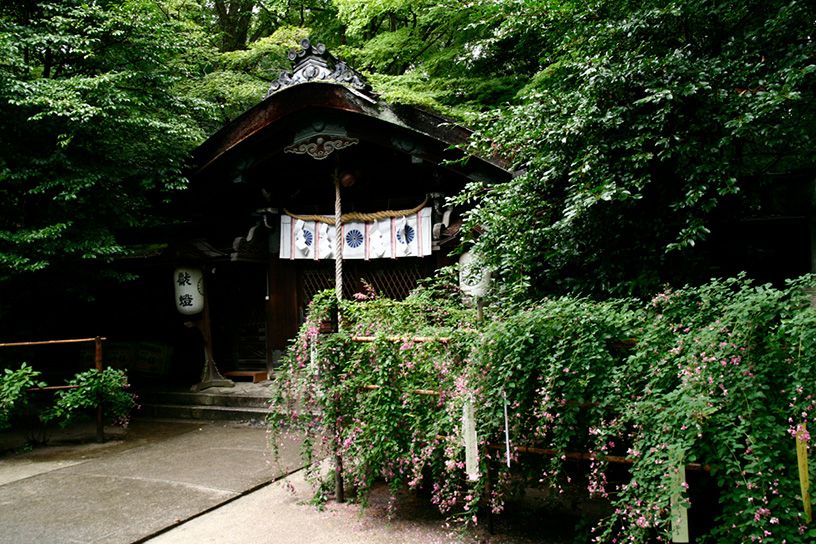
[{"x": 389, "y": 278}]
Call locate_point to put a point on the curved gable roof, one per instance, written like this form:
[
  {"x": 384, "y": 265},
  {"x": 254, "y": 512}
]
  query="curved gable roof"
[{"x": 322, "y": 86}]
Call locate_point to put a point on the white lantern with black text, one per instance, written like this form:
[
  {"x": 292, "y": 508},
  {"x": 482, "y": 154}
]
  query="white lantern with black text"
[{"x": 189, "y": 285}]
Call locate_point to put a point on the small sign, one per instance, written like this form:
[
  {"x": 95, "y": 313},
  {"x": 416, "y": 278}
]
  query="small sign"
[
  {"x": 470, "y": 439},
  {"x": 679, "y": 513},
  {"x": 802, "y": 438}
]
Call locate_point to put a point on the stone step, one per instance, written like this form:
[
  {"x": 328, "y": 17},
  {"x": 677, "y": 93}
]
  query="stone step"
[
  {"x": 188, "y": 398},
  {"x": 202, "y": 412}
]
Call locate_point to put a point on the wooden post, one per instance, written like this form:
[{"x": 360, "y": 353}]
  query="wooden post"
[
  {"x": 488, "y": 490},
  {"x": 210, "y": 376},
  {"x": 802, "y": 458},
  {"x": 679, "y": 513},
  {"x": 470, "y": 439},
  {"x": 100, "y": 425}
]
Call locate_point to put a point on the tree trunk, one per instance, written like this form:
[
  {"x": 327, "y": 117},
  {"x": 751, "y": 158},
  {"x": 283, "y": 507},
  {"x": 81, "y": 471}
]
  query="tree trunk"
[{"x": 234, "y": 18}]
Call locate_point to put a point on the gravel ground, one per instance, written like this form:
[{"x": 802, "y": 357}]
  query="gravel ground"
[{"x": 282, "y": 513}]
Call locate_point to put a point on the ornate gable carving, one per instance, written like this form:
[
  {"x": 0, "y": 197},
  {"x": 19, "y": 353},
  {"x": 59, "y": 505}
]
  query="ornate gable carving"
[
  {"x": 314, "y": 63},
  {"x": 320, "y": 139},
  {"x": 320, "y": 147}
]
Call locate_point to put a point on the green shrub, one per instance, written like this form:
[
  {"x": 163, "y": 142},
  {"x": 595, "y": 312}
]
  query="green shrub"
[
  {"x": 108, "y": 386},
  {"x": 14, "y": 396},
  {"x": 719, "y": 375},
  {"x": 355, "y": 397}
]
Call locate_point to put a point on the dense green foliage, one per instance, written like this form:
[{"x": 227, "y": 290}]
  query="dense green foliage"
[
  {"x": 93, "y": 134},
  {"x": 450, "y": 56},
  {"x": 108, "y": 387},
  {"x": 716, "y": 376},
  {"x": 642, "y": 124},
  {"x": 14, "y": 386}
]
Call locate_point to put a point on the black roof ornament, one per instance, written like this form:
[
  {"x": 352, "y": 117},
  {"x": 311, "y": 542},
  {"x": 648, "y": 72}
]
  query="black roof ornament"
[{"x": 314, "y": 63}]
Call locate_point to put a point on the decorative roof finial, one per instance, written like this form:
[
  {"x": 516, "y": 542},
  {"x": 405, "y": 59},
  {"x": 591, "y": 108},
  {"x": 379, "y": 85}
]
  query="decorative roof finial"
[{"x": 314, "y": 63}]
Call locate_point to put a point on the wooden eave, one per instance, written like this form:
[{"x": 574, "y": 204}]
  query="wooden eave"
[{"x": 324, "y": 96}]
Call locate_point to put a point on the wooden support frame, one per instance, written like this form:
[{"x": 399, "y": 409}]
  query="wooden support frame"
[{"x": 583, "y": 456}]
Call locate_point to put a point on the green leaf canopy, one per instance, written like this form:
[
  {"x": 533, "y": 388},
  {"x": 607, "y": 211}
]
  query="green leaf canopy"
[{"x": 93, "y": 133}]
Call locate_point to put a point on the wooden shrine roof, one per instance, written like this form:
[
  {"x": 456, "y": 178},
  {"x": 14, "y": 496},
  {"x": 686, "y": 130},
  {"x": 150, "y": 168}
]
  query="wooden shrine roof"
[{"x": 319, "y": 88}]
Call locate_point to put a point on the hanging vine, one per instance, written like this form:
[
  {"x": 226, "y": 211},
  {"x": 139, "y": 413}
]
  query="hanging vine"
[{"x": 715, "y": 378}]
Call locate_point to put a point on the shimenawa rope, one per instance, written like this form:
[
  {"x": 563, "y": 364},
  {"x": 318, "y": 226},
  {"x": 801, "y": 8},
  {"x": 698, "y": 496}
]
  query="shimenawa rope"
[{"x": 358, "y": 216}]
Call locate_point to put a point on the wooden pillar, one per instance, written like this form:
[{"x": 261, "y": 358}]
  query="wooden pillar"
[
  {"x": 210, "y": 376},
  {"x": 100, "y": 424}
]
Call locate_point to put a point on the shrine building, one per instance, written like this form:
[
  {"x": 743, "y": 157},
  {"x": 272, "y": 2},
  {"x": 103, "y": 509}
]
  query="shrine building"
[{"x": 262, "y": 196}]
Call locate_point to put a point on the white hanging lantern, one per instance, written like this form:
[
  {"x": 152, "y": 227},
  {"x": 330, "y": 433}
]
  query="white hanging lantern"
[
  {"x": 474, "y": 277},
  {"x": 189, "y": 284}
]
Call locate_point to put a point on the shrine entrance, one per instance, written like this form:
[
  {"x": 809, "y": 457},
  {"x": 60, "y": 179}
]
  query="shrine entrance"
[
  {"x": 263, "y": 198},
  {"x": 238, "y": 305}
]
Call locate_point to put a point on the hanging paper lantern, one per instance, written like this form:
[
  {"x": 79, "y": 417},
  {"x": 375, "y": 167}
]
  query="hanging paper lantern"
[{"x": 189, "y": 283}]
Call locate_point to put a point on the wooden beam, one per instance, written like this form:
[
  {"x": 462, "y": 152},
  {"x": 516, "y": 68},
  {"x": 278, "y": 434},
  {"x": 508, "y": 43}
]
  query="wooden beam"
[
  {"x": 52, "y": 388},
  {"x": 418, "y": 339},
  {"x": 580, "y": 456},
  {"x": 429, "y": 392},
  {"x": 49, "y": 342}
]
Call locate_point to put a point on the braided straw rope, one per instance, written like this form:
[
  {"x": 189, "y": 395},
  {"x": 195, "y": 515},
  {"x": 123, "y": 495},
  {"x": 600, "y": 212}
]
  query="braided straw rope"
[
  {"x": 358, "y": 216},
  {"x": 338, "y": 249}
]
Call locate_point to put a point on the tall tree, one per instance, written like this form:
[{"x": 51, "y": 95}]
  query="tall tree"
[
  {"x": 93, "y": 133},
  {"x": 643, "y": 124},
  {"x": 442, "y": 54},
  {"x": 234, "y": 18},
  {"x": 635, "y": 126}
]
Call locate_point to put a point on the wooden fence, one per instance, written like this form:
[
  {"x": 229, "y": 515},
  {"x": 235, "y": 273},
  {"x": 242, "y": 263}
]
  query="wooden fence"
[{"x": 97, "y": 341}]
